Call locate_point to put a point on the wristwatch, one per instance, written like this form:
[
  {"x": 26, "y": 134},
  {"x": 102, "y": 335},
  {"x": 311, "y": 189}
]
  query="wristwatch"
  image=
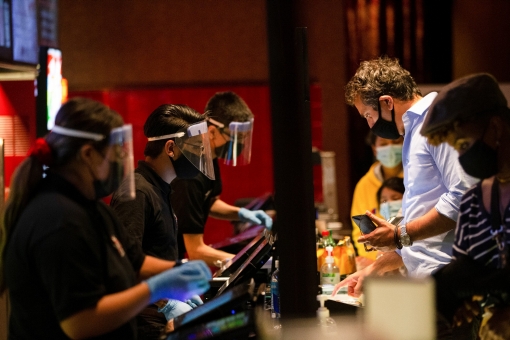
[{"x": 405, "y": 239}]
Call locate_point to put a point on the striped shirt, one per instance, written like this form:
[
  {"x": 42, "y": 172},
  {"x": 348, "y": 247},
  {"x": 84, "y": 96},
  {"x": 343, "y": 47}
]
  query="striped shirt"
[{"x": 473, "y": 233}]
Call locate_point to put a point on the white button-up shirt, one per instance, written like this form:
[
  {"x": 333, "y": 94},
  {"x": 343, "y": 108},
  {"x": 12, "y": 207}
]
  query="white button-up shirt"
[{"x": 433, "y": 178}]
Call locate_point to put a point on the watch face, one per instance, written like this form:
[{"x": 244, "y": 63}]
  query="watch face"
[{"x": 405, "y": 239}]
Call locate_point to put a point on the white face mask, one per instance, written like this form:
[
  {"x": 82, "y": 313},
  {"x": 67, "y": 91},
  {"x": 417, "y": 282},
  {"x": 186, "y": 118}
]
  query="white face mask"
[
  {"x": 390, "y": 155},
  {"x": 390, "y": 209}
]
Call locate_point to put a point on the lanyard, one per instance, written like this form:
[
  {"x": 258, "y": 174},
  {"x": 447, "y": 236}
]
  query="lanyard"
[{"x": 498, "y": 229}]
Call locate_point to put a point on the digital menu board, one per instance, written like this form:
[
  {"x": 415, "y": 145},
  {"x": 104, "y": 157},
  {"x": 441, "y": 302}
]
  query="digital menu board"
[{"x": 24, "y": 31}]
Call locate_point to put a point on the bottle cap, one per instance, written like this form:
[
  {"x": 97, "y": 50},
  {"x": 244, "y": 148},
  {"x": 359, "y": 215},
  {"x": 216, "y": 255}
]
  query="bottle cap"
[{"x": 325, "y": 233}]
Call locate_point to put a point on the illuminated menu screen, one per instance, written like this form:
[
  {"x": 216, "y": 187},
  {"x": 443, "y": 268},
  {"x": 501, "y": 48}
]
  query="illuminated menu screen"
[
  {"x": 24, "y": 31},
  {"x": 54, "y": 90}
]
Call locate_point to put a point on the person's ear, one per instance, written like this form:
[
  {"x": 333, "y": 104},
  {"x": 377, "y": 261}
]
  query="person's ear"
[
  {"x": 170, "y": 148},
  {"x": 388, "y": 100},
  {"x": 213, "y": 131},
  {"x": 497, "y": 125},
  {"x": 86, "y": 153}
]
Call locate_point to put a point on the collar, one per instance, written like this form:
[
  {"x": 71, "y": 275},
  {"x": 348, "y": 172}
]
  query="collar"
[
  {"x": 152, "y": 177},
  {"x": 421, "y": 106}
]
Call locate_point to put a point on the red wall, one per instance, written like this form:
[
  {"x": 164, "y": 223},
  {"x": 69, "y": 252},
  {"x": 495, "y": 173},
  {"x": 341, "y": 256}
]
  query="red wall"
[
  {"x": 252, "y": 180},
  {"x": 18, "y": 129},
  {"x": 17, "y": 123}
]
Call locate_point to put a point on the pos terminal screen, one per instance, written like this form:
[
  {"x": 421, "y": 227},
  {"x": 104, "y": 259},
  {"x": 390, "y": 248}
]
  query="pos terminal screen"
[{"x": 220, "y": 304}]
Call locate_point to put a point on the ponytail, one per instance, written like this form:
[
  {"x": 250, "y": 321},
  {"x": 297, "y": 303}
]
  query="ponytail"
[{"x": 24, "y": 181}]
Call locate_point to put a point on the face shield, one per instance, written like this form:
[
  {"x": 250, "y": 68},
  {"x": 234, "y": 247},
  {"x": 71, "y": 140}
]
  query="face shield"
[
  {"x": 193, "y": 142},
  {"x": 237, "y": 150},
  {"x": 120, "y": 154}
]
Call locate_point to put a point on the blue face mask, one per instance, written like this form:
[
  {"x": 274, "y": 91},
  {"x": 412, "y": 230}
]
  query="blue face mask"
[
  {"x": 389, "y": 155},
  {"x": 390, "y": 209}
]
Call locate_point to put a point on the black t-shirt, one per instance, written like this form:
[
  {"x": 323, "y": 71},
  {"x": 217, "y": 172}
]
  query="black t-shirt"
[
  {"x": 192, "y": 199},
  {"x": 65, "y": 253},
  {"x": 149, "y": 217}
]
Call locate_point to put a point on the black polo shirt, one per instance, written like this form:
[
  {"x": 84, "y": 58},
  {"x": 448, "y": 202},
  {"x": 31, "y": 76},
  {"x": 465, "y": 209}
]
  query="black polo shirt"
[
  {"x": 149, "y": 217},
  {"x": 65, "y": 253},
  {"x": 192, "y": 200}
]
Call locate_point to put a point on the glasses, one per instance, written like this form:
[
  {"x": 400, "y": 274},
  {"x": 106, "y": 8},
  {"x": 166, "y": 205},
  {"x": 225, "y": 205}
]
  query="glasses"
[{"x": 367, "y": 115}]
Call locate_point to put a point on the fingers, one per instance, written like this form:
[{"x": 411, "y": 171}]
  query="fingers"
[
  {"x": 266, "y": 220},
  {"x": 344, "y": 283},
  {"x": 200, "y": 267},
  {"x": 374, "y": 218},
  {"x": 357, "y": 289}
]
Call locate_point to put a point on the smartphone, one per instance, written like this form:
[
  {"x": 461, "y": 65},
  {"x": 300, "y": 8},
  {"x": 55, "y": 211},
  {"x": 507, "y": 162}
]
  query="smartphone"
[
  {"x": 395, "y": 220},
  {"x": 364, "y": 223}
]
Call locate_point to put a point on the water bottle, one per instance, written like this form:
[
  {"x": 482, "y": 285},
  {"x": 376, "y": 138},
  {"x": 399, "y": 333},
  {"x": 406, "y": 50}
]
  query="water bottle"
[{"x": 275, "y": 292}]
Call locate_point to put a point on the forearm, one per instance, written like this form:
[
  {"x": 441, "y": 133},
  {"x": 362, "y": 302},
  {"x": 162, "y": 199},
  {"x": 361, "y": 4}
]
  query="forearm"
[
  {"x": 224, "y": 211},
  {"x": 198, "y": 250},
  {"x": 387, "y": 262},
  {"x": 428, "y": 225},
  {"x": 208, "y": 254},
  {"x": 152, "y": 266},
  {"x": 111, "y": 312}
]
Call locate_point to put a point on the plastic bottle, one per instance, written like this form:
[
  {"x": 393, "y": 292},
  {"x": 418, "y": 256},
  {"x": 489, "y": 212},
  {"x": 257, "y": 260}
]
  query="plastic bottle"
[
  {"x": 326, "y": 323},
  {"x": 275, "y": 292},
  {"x": 330, "y": 274}
]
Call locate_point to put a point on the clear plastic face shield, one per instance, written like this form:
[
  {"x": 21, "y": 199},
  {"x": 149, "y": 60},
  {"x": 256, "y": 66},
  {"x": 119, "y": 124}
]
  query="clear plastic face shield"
[
  {"x": 237, "y": 150},
  {"x": 119, "y": 153},
  {"x": 193, "y": 142}
]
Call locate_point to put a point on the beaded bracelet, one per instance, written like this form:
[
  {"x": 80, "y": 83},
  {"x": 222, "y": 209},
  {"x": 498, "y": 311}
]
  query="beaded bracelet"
[{"x": 397, "y": 239}]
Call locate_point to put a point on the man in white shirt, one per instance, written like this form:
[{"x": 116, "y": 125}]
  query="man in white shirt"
[{"x": 387, "y": 96}]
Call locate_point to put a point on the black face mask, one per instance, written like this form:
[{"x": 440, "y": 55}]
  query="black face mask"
[
  {"x": 225, "y": 150},
  {"x": 480, "y": 161},
  {"x": 184, "y": 168},
  {"x": 106, "y": 187},
  {"x": 384, "y": 128}
]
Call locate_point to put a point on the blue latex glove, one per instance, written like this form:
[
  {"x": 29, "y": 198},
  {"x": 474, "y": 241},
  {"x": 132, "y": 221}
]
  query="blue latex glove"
[
  {"x": 175, "y": 308},
  {"x": 180, "y": 283},
  {"x": 258, "y": 217},
  {"x": 195, "y": 301}
]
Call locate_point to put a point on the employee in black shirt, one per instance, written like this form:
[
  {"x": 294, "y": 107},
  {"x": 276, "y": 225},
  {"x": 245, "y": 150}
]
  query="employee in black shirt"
[
  {"x": 69, "y": 268},
  {"x": 230, "y": 125},
  {"x": 177, "y": 146}
]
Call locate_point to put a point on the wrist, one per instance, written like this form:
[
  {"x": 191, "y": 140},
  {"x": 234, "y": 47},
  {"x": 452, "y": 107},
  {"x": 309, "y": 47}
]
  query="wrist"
[
  {"x": 180, "y": 262},
  {"x": 396, "y": 238},
  {"x": 405, "y": 238}
]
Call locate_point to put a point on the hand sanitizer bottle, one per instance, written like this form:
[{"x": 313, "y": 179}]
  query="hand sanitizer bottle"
[
  {"x": 330, "y": 274},
  {"x": 327, "y": 324}
]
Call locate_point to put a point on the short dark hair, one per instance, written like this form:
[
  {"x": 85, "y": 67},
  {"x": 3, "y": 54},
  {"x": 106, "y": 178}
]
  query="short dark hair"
[
  {"x": 393, "y": 183},
  {"x": 378, "y": 77},
  {"x": 164, "y": 120},
  {"x": 226, "y": 107}
]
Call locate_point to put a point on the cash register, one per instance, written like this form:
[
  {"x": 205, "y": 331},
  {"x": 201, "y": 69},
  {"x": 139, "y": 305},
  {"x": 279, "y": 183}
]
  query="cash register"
[{"x": 230, "y": 313}]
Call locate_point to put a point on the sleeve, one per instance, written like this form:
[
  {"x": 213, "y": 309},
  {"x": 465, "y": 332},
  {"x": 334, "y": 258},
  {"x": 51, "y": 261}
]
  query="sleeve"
[
  {"x": 460, "y": 243},
  {"x": 454, "y": 179},
  {"x": 70, "y": 265},
  {"x": 132, "y": 247},
  {"x": 188, "y": 202},
  {"x": 133, "y": 215}
]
